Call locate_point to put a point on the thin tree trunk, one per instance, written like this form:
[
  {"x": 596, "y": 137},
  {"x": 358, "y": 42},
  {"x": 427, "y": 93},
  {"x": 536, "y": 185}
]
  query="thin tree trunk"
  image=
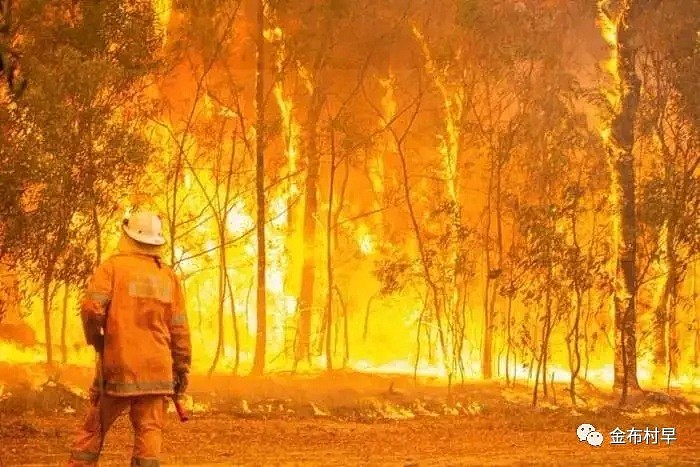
[
  {"x": 674, "y": 279},
  {"x": 462, "y": 332},
  {"x": 346, "y": 329},
  {"x": 261, "y": 299},
  {"x": 545, "y": 334},
  {"x": 308, "y": 273},
  {"x": 509, "y": 312},
  {"x": 575, "y": 351},
  {"x": 660, "y": 322},
  {"x": 487, "y": 342},
  {"x": 329, "y": 260},
  {"x": 46, "y": 307},
  {"x": 236, "y": 332},
  {"x": 535, "y": 340},
  {"x": 434, "y": 290},
  {"x": 499, "y": 238},
  {"x": 489, "y": 337},
  {"x": 509, "y": 338},
  {"x": 696, "y": 308},
  {"x": 492, "y": 273},
  {"x": 535, "y": 390},
  {"x": 222, "y": 299},
  {"x": 418, "y": 346},
  {"x": 365, "y": 328},
  {"x": 64, "y": 323},
  {"x": 172, "y": 228},
  {"x": 673, "y": 347},
  {"x": 671, "y": 308},
  {"x": 247, "y": 303},
  {"x": 222, "y": 236},
  {"x": 544, "y": 352},
  {"x": 341, "y": 198},
  {"x": 586, "y": 340}
]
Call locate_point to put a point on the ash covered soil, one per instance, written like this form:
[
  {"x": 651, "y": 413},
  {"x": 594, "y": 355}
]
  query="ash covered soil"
[{"x": 353, "y": 419}]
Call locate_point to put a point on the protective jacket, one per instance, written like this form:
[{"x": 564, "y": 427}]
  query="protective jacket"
[{"x": 139, "y": 303}]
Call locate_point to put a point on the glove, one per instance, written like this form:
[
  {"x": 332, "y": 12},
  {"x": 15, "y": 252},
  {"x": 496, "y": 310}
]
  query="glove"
[
  {"x": 180, "y": 382},
  {"x": 94, "y": 335}
]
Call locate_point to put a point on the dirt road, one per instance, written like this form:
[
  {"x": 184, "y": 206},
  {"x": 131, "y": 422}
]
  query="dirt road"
[
  {"x": 356, "y": 419},
  {"x": 545, "y": 439}
]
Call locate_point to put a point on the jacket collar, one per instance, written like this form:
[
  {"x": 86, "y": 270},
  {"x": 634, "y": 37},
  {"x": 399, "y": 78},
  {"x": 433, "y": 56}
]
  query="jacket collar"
[{"x": 128, "y": 246}]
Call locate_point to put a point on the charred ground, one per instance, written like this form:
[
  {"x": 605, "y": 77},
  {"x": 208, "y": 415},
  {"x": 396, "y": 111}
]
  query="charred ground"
[{"x": 349, "y": 419}]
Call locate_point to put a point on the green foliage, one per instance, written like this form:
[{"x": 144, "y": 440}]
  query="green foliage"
[
  {"x": 669, "y": 137},
  {"x": 394, "y": 273},
  {"x": 78, "y": 130},
  {"x": 448, "y": 248}
]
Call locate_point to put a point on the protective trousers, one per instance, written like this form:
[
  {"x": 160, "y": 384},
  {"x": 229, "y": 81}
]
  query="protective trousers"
[{"x": 146, "y": 414}]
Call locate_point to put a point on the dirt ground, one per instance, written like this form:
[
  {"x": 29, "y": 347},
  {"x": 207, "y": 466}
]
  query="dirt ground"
[
  {"x": 224, "y": 440},
  {"x": 351, "y": 419}
]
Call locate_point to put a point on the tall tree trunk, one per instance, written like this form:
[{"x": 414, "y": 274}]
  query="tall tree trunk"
[
  {"x": 487, "y": 342},
  {"x": 662, "y": 323},
  {"x": 346, "y": 329},
  {"x": 236, "y": 332},
  {"x": 329, "y": 259},
  {"x": 172, "y": 224},
  {"x": 574, "y": 349},
  {"x": 538, "y": 371},
  {"x": 574, "y": 334},
  {"x": 222, "y": 298},
  {"x": 619, "y": 151},
  {"x": 64, "y": 323},
  {"x": 547, "y": 329},
  {"x": 499, "y": 238},
  {"x": 696, "y": 308},
  {"x": 493, "y": 271},
  {"x": 222, "y": 234},
  {"x": 509, "y": 337},
  {"x": 46, "y": 308},
  {"x": 261, "y": 315},
  {"x": 586, "y": 337},
  {"x": 674, "y": 280},
  {"x": 509, "y": 311},
  {"x": 434, "y": 290},
  {"x": 664, "y": 326},
  {"x": 308, "y": 272}
]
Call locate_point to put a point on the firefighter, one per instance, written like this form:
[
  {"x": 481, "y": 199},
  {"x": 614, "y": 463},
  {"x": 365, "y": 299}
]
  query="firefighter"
[{"x": 134, "y": 316}]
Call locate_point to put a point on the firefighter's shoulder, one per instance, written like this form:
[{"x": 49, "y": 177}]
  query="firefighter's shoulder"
[
  {"x": 171, "y": 272},
  {"x": 106, "y": 265}
]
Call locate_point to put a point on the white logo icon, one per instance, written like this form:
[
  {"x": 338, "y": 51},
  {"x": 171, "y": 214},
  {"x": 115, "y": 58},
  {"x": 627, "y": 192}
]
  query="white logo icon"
[
  {"x": 595, "y": 438},
  {"x": 587, "y": 432}
]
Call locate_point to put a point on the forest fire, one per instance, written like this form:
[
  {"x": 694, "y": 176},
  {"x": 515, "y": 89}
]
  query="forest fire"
[{"x": 351, "y": 211}]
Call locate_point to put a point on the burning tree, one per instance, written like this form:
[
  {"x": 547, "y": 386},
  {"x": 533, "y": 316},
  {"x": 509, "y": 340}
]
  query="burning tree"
[
  {"x": 261, "y": 321},
  {"x": 620, "y": 25}
]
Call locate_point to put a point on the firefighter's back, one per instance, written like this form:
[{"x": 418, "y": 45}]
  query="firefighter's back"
[{"x": 137, "y": 357}]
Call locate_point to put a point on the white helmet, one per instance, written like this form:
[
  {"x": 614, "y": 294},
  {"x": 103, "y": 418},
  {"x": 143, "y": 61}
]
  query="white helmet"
[{"x": 145, "y": 227}]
